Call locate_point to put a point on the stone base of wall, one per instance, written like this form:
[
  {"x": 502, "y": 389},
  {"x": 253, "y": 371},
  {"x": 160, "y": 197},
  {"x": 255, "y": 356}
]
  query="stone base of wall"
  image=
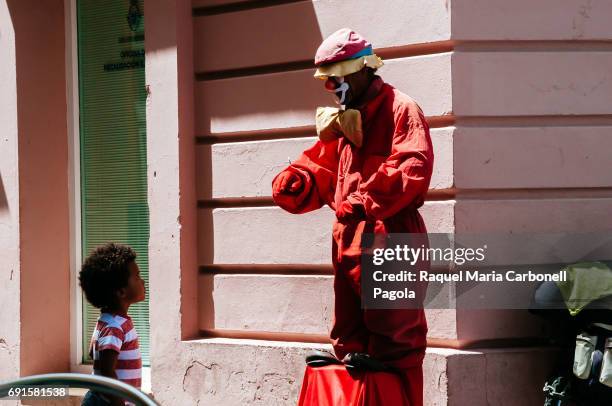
[{"x": 228, "y": 372}]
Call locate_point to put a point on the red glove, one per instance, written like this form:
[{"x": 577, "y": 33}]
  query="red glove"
[
  {"x": 348, "y": 211},
  {"x": 287, "y": 182}
]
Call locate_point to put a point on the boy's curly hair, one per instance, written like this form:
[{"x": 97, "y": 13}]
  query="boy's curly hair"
[{"x": 104, "y": 272}]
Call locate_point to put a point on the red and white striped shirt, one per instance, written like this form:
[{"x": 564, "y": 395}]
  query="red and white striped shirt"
[{"x": 116, "y": 332}]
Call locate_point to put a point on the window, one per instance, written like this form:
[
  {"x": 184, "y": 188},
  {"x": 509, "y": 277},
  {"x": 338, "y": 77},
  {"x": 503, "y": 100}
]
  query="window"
[{"x": 113, "y": 166}]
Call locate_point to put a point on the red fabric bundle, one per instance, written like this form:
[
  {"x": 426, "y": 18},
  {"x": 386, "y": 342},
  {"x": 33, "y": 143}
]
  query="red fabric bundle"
[{"x": 333, "y": 386}]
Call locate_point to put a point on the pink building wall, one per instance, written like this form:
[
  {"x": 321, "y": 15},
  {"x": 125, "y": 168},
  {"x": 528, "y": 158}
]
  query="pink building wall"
[
  {"x": 516, "y": 132},
  {"x": 43, "y": 185}
]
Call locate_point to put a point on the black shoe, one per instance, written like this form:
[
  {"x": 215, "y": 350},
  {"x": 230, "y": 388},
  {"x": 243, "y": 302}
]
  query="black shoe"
[
  {"x": 318, "y": 358},
  {"x": 358, "y": 361}
]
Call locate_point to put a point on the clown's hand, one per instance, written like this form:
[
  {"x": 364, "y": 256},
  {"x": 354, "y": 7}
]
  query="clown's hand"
[
  {"x": 287, "y": 182},
  {"x": 347, "y": 211}
]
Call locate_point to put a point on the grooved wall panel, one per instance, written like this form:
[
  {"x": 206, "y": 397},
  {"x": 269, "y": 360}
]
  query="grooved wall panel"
[
  {"x": 283, "y": 303},
  {"x": 304, "y": 304},
  {"x": 546, "y": 215},
  {"x": 533, "y": 157},
  {"x": 269, "y": 235},
  {"x": 292, "y": 32},
  {"x": 532, "y": 83},
  {"x": 289, "y": 99},
  {"x": 531, "y": 20},
  {"x": 253, "y": 165}
]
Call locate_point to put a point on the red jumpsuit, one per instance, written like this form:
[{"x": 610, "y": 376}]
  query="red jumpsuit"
[{"x": 389, "y": 175}]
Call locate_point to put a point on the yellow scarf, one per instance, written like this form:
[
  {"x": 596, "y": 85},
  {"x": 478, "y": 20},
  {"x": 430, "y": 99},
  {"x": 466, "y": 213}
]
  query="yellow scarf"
[{"x": 332, "y": 123}]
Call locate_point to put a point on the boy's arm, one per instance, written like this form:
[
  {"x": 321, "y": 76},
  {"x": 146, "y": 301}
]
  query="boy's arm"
[{"x": 108, "y": 363}]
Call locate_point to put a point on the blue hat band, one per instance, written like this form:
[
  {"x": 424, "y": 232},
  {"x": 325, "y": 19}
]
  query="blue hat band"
[{"x": 364, "y": 52}]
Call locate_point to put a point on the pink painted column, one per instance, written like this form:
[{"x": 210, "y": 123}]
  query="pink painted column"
[
  {"x": 172, "y": 201},
  {"x": 43, "y": 185}
]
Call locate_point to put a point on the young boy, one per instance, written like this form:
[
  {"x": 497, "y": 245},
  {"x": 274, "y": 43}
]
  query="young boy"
[{"x": 111, "y": 281}]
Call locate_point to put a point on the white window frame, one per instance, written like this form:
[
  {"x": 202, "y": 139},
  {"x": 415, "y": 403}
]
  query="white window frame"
[
  {"x": 74, "y": 190},
  {"x": 74, "y": 185}
]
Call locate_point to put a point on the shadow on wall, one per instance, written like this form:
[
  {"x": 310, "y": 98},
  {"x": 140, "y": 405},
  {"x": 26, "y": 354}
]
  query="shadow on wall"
[
  {"x": 252, "y": 78},
  {"x": 3, "y": 199},
  {"x": 256, "y": 77}
]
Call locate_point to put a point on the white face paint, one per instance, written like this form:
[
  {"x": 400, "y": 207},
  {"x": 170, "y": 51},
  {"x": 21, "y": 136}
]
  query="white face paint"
[{"x": 341, "y": 88}]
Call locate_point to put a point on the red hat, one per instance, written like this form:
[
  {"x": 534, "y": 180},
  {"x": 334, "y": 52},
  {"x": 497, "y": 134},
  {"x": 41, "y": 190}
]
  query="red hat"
[{"x": 342, "y": 44}]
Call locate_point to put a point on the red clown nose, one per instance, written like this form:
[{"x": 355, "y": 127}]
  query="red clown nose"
[{"x": 330, "y": 85}]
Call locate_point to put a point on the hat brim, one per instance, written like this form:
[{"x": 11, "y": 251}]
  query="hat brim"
[{"x": 348, "y": 66}]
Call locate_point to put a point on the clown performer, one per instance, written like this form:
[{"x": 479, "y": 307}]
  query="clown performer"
[{"x": 372, "y": 165}]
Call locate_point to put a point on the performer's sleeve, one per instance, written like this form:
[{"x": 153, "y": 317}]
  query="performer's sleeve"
[
  {"x": 405, "y": 175},
  {"x": 318, "y": 169}
]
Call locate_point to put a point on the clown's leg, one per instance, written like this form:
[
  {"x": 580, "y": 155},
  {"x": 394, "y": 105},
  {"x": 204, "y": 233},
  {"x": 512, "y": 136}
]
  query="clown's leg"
[
  {"x": 397, "y": 336},
  {"x": 348, "y": 333}
]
